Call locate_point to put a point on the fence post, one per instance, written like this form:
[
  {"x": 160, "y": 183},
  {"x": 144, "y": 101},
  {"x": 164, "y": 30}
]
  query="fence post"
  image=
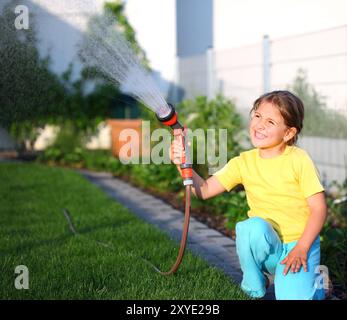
[
  {"x": 209, "y": 73},
  {"x": 266, "y": 64}
]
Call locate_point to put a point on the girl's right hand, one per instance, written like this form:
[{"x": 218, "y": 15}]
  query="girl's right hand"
[{"x": 176, "y": 149}]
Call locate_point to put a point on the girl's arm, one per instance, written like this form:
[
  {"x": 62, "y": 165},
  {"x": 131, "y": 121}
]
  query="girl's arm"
[
  {"x": 316, "y": 220},
  {"x": 315, "y": 223},
  {"x": 205, "y": 189}
]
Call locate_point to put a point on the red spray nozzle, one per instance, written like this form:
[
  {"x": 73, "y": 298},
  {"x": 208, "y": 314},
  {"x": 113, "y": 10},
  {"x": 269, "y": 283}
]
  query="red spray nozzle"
[{"x": 171, "y": 120}]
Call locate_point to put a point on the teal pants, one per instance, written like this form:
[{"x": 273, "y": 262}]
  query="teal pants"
[{"x": 260, "y": 250}]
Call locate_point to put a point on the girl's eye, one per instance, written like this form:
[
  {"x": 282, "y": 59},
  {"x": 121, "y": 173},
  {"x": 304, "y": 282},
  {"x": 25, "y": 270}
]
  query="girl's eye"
[
  {"x": 271, "y": 122},
  {"x": 257, "y": 115}
]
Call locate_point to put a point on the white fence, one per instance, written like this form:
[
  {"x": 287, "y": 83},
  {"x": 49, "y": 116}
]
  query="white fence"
[
  {"x": 245, "y": 72},
  {"x": 322, "y": 54},
  {"x": 329, "y": 156}
]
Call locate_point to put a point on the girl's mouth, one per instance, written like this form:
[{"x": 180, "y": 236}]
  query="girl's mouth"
[{"x": 259, "y": 135}]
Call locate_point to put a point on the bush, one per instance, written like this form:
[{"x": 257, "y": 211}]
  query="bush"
[
  {"x": 334, "y": 237},
  {"x": 237, "y": 209},
  {"x": 334, "y": 255}
]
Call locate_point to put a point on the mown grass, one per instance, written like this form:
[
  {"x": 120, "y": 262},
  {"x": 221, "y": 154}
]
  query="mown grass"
[{"x": 34, "y": 233}]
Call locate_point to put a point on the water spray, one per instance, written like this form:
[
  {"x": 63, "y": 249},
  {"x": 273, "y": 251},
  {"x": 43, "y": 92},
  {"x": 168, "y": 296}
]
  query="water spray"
[{"x": 105, "y": 48}]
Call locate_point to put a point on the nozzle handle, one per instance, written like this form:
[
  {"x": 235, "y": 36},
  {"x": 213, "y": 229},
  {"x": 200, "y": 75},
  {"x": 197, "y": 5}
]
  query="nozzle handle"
[
  {"x": 177, "y": 125},
  {"x": 186, "y": 166}
]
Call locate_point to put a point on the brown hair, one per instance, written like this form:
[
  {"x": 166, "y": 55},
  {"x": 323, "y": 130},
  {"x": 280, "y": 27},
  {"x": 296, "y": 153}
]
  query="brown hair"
[{"x": 290, "y": 107}]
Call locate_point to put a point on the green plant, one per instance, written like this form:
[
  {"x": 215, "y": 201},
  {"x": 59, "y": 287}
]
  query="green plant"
[
  {"x": 29, "y": 92},
  {"x": 334, "y": 236},
  {"x": 237, "y": 209},
  {"x": 334, "y": 255},
  {"x": 26, "y": 133},
  {"x": 116, "y": 8}
]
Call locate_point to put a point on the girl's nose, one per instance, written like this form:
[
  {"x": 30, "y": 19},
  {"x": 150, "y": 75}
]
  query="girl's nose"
[{"x": 260, "y": 125}]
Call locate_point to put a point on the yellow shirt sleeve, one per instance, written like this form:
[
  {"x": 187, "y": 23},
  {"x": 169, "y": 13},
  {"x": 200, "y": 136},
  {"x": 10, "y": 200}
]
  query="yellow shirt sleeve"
[
  {"x": 230, "y": 176},
  {"x": 309, "y": 177}
]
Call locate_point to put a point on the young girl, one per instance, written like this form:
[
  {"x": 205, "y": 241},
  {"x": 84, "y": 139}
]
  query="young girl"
[{"x": 285, "y": 197}]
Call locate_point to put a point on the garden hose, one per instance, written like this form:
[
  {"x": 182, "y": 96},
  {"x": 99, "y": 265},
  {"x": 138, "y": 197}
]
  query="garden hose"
[
  {"x": 184, "y": 237},
  {"x": 187, "y": 175}
]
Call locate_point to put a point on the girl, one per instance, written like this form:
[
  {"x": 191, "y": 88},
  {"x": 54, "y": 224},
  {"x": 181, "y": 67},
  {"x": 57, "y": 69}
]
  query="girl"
[{"x": 285, "y": 197}]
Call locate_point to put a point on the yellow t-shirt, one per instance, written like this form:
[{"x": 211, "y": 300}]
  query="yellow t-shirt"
[{"x": 276, "y": 188}]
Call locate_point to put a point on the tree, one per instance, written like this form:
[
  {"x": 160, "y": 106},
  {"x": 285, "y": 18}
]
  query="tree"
[
  {"x": 117, "y": 9},
  {"x": 32, "y": 95},
  {"x": 29, "y": 92}
]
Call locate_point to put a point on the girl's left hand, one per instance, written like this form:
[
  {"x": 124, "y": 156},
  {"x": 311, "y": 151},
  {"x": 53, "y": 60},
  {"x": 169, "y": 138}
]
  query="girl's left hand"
[{"x": 296, "y": 258}]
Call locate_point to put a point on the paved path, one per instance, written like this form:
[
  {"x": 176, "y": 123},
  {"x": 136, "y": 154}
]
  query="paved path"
[{"x": 217, "y": 249}]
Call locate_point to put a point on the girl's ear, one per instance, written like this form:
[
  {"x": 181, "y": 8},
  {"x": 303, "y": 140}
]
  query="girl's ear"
[{"x": 290, "y": 133}]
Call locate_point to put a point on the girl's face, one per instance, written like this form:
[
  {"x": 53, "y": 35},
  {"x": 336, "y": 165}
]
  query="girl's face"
[{"x": 267, "y": 128}]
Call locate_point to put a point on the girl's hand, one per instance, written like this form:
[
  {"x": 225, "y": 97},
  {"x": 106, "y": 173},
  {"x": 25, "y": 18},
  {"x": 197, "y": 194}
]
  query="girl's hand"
[
  {"x": 176, "y": 149},
  {"x": 296, "y": 257}
]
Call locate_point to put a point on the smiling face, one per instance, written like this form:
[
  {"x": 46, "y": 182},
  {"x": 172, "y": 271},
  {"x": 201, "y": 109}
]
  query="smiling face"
[{"x": 267, "y": 128}]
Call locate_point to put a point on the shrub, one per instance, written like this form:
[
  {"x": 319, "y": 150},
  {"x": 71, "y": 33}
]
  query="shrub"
[{"x": 334, "y": 237}]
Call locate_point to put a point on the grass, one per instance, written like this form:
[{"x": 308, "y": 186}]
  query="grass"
[{"x": 34, "y": 233}]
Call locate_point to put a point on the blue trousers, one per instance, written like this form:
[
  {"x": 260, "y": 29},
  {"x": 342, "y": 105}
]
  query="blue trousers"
[{"x": 260, "y": 250}]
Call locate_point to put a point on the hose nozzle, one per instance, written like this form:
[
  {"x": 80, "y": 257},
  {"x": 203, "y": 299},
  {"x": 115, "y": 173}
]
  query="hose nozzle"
[{"x": 171, "y": 120}]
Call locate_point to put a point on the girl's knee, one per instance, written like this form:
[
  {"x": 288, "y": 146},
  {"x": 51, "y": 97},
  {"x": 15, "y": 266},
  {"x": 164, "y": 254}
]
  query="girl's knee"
[
  {"x": 254, "y": 234},
  {"x": 297, "y": 286}
]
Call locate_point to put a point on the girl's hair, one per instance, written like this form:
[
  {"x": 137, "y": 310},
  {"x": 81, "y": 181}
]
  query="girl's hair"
[{"x": 290, "y": 107}]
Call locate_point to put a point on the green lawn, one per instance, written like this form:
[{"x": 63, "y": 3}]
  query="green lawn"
[{"x": 34, "y": 233}]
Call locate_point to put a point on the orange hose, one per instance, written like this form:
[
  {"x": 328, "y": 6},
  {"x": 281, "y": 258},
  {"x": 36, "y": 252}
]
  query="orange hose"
[{"x": 184, "y": 237}]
